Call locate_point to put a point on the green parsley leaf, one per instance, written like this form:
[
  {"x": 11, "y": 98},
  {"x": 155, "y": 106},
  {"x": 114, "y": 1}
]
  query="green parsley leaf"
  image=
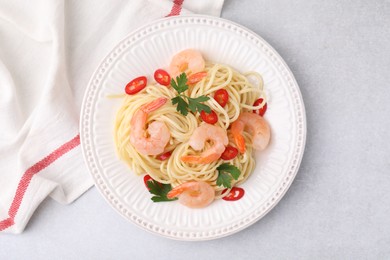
[
  {"x": 160, "y": 199},
  {"x": 182, "y": 106},
  {"x": 233, "y": 170},
  {"x": 160, "y": 190},
  {"x": 193, "y": 104},
  {"x": 227, "y": 172},
  {"x": 180, "y": 85},
  {"x": 224, "y": 179},
  {"x": 199, "y": 99}
]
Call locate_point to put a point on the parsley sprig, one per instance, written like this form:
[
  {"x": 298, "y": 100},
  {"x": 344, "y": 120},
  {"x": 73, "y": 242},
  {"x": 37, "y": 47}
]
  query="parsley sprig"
[
  {"x": 160, "y": 191},
  {"x": 185, "y": 103},
  {"x": 226, "y": 173}
]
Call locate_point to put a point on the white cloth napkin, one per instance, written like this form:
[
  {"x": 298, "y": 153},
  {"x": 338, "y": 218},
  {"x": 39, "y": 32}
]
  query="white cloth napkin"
[{"x": 48, "y": 51}]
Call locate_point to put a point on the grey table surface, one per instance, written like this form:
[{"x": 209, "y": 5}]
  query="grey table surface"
[{"x": 338, "y": 207}]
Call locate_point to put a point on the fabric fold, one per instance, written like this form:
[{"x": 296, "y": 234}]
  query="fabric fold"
[{"x": 49, "y": 49}]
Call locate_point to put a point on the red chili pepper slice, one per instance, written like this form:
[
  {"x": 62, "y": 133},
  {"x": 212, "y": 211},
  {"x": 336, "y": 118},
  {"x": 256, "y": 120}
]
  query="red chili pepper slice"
[
  {"x": 229, "y": 153},
  {"x": 164, "y": 156},
  {"x": 136, "y": 85},
  {"x": 235, "y": 193},
  {"x": 210, "y": 118},
  {"x": 147, "y": 178},
  {"x": 222, "y": 97},
  {"x": 262, "y": 110},
  {"x": 162, "y": 77}
]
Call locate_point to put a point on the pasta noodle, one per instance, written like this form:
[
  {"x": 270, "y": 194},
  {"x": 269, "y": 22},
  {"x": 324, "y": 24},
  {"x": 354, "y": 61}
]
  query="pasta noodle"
[{"x": 243, "y": 90}]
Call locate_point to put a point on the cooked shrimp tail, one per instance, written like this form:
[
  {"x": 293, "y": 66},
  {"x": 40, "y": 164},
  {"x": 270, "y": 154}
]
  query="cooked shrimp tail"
[
  {"x": 256, "y": 125},
  {"x": 195, "y": 78},
  {"x": 154, "y": 105},
  {"x": 174, "y": 193},
  {"x": 240, "y": 142},
  {"x": 193, "y": 194}
]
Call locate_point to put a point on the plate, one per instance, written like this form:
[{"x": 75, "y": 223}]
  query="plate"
[{"x": 152, "y": 47}]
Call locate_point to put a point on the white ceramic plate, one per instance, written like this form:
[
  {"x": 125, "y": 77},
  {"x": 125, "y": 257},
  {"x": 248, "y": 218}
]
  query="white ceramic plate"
[{"x": 152, "y": 47}]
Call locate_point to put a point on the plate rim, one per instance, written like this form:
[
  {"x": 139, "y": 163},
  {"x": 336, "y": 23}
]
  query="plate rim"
[{"x": 298, "y": 152}]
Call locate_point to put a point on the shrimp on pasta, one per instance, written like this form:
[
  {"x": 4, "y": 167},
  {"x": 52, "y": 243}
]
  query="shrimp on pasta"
[{"x": 193, "y": 132}]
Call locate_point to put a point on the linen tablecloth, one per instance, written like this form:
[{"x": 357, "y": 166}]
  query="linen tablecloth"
[{"x": 48, "y": 51}]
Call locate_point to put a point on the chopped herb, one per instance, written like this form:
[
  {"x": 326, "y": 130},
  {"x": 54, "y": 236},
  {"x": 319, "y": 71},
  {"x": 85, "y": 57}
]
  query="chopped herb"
[
  {"x": 160, "y": 191},
  {"x": 182, "y": 106},
  {"x": 193, "y": 104},
  {"x": 226, "y": 173},
  {"x": 181, "y": 83}
]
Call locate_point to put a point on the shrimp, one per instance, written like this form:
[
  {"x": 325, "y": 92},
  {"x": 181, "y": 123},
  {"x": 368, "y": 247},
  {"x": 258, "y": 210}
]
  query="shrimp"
[
  {"x": 153, "y": 139},
  {"x": 188, "y": 61},
  {"x": 197, "y": 141},
  {"x": 257, "y": 127},
  {"x": 193, "y": 194}
]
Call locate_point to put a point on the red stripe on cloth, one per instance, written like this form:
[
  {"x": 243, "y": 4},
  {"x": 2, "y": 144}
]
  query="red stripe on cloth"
[
  {"x": 27, "y": 176},
  {"x": 6, "y": 223},
  {"x": 176, "y": 8}
]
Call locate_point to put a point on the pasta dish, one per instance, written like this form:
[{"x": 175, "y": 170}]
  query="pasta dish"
[{"x": 192, "y": 132}]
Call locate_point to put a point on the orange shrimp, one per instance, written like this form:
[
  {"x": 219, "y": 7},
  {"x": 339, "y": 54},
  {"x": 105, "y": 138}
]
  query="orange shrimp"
[
  {"x": 256, "y": 126},
  {"x": 150, "y": 141},
  {"x": 195, "y": 78},
  {"x": 189, "y": 61},
  {"x": 197, "y": 141},
  {"x": 193, "y": 194}
]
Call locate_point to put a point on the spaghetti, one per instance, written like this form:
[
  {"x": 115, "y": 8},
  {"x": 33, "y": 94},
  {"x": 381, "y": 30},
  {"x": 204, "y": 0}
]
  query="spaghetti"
[{"x": 243, "y": 91}]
